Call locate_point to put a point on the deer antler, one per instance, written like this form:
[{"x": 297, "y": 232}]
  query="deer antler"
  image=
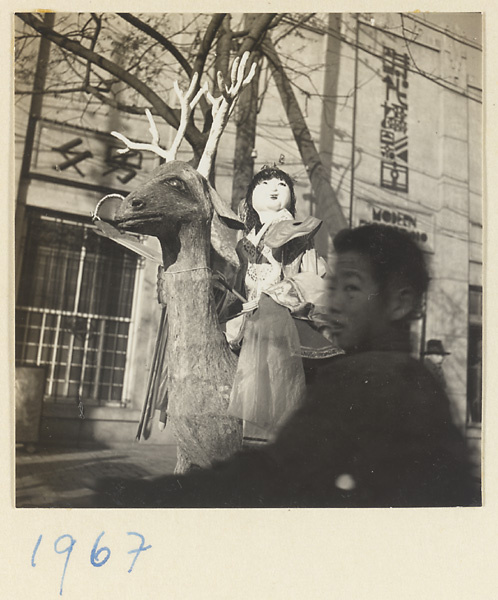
[
  {"x": 187, "y": 104},
  {"x": 154, "y": 147},
  {"x": 223, "y": 107}
]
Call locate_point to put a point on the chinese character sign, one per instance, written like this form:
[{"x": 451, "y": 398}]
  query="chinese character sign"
[
  {"x": 393, "y": 132},
  {"x": 76, "y": 155}
]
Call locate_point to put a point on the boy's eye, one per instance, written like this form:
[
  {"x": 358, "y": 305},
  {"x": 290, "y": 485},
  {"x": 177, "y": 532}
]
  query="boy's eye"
[{"x": 352, "y": 288}]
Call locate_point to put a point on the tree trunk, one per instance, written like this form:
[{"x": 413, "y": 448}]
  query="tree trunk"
[
  {"x": 326, "y": 199},
  {"x": 245, "y": 137}
]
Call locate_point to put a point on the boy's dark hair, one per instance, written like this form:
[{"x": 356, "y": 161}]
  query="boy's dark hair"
[
  {"x": 251, "y": 217},
  {"x": 394, "y": 256}
]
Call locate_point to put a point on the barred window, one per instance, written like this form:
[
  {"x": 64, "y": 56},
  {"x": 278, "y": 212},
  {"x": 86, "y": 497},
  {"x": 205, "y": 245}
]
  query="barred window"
[
  {"x": 475, "y": 301},
  {"x": 474, "y": 356},
  {"x": 74, "y": 307}
]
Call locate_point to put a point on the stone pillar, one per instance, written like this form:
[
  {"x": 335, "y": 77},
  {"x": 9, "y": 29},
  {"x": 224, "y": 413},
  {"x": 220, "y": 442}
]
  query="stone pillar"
[{"x": 447, "y": 315}]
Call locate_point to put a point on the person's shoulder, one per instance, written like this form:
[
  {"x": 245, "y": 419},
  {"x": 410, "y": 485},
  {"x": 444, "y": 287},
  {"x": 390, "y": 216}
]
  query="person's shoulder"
[
  {"x": 389, "y": 363},
  {"x": 374, "y": 367},
  {"x": 380, "y": 359}
]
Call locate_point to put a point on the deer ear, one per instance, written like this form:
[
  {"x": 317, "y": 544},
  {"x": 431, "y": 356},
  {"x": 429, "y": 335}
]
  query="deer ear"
[
  {"x": 226, "y": 214},
  {"x": 222, "y": 240}
]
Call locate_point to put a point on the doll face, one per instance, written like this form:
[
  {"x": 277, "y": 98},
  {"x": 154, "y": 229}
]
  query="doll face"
[{"x": 271, "y": 195}]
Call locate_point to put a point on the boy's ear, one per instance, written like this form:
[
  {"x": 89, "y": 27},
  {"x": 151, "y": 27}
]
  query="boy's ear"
[{"x": 402, "y": 302}]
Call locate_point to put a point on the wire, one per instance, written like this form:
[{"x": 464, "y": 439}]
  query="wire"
[
  {"x": 458, "y": 38},
  {"x": 438, "y": 81},
  {"x": 417, "y": 71}
]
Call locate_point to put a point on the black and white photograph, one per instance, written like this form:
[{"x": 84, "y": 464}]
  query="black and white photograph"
[
  {"x": 248, "y": 302},
  {"x": 248, "y": 260}
]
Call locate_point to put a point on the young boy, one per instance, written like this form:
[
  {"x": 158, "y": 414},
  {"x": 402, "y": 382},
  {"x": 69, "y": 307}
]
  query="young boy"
[{"x": 375, "y": 430}]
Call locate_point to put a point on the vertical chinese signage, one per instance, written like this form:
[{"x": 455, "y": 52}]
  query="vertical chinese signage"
[{"x": 394, "y": 129}]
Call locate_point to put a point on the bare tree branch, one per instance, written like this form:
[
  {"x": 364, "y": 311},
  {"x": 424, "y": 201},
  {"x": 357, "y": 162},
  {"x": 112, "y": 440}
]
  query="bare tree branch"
[
  {"x": 223, "y": 47},
  {"x": 304, "y": 19},
  {"x": 207, "y": 41},
  {"x": 257, "y": 32},
  {"x": 165, "y": 43},
  {"x": 109, "y": 101},
  {"x": 175, "y": 52},
  {"x": 98, "y": 27},
  {"x": 193, "y": 135}
]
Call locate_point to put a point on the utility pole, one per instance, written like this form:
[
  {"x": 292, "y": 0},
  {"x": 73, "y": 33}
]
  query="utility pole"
[
  {"x": 34, "y": 114},
  {"x": 330, "y": 85},
  {"x": 329, "y": 107},
  {"x": 245, "y": 124}
]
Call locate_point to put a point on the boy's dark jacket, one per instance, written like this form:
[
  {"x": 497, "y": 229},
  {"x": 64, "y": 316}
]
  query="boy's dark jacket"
[{"x": 377, "y": 417}]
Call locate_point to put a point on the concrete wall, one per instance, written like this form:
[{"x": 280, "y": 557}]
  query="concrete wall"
[{"x": 60, "y": 423}]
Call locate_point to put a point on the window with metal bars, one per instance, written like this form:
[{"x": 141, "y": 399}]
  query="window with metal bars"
[{"x": 74, "y": 308}]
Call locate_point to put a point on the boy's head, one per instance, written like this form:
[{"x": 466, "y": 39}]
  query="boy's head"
[{"x": 379, "y": 281}]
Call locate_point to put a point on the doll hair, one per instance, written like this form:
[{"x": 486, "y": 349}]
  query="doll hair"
[{"x": 250, "y": 216}]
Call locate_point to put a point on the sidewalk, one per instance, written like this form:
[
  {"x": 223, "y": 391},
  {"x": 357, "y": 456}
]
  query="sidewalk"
[{"x": 56, "y": 475}]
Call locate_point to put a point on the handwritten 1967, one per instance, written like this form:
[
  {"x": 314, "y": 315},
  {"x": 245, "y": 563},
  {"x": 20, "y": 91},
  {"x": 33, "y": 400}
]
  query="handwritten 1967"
[{"x": 99, "y": 555}]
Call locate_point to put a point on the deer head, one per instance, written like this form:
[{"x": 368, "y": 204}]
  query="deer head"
[{"x": 176, "y": 193}]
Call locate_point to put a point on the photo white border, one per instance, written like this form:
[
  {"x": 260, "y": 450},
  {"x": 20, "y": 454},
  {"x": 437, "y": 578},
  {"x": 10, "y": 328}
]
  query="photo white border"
[{"x": 256, "y": 554}]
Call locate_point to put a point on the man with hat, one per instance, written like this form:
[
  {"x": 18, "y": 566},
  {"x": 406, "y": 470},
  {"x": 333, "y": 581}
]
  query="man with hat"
[{"x": 434, "y": 356}]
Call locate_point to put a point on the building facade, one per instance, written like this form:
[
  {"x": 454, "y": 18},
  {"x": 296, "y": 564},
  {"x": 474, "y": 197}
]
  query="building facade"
[{"x": 393, "y": 104}]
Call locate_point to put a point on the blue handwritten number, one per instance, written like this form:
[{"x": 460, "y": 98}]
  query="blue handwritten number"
[
  {"x": 138, "y": 550},
  {"x": 94, "y": 556},
  {"x": 69, "y": 549},
  {"x": 33, "y": 564}
]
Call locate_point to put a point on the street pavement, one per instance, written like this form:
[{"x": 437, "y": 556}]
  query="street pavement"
[{"x": 61, "y": 476}]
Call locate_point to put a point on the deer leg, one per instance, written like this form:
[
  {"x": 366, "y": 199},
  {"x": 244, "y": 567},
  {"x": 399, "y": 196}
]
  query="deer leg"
[
  {"x": 183, "y": 465},
  {"x": 203, "y": 439}
]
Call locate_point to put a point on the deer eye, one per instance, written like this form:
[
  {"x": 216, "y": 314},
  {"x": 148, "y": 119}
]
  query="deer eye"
[{"x": 176, "y": 182}]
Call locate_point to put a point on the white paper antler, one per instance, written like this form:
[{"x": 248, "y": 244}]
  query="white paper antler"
[
  {"x": 223, "y": 107},
  {"x": 187, "y": 104},
  {"x": 153, "y": 147}
]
